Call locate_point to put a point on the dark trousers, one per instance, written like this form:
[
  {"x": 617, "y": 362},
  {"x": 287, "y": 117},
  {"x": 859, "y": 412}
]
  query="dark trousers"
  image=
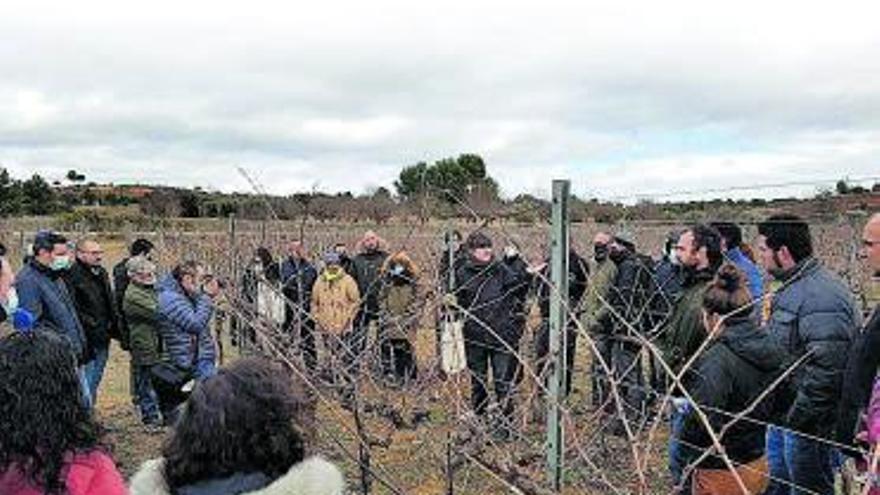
[
  {"x": 624, "y": 359},
  {"x": 600, "y": 385},
  {"x": 542, "y": 351},
  {"x": 343, "y": 362},
  {"x": 362, "y": 321},
  {"x": 397, "y": 359},
  {"x": 503, "y": 363},
  {"x": 305, "y": 341}
]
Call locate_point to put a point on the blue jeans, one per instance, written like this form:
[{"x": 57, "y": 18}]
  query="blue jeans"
[
  {"x": 147, "y": 400},
  {"x": 806, "y": 464},
  {"x": 676, "y": 456},
  {"x": 776, "y": 461},
  {"x": 95, "y": 372},
  {"x": 84, "y": 387}
]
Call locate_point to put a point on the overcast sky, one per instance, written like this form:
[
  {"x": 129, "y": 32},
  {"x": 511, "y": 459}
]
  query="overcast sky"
[{"x": 624, "y": 98}]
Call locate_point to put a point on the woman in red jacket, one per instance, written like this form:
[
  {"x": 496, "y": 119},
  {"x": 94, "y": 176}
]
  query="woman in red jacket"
[{"x": 49, "y": 443}]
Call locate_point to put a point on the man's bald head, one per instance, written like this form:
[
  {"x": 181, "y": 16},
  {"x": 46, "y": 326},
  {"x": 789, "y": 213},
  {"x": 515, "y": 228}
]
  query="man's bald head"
[
  {"x": 871, "y": 243},
  {"x": 602, "y": 238},
  {"x": 89, "y": 252}
]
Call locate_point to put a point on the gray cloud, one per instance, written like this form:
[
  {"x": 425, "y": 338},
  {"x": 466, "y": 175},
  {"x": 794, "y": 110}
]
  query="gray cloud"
[{"x": 621, "y": 99}]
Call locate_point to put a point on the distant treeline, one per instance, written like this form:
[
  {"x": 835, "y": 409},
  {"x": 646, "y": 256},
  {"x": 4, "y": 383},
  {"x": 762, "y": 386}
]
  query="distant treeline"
[{"x": 452, "y": 188}]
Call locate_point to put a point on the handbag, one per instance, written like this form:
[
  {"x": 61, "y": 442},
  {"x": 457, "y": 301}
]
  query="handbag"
[{"x": 452, "y": 353}]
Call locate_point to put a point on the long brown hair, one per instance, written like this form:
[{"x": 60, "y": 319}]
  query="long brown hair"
[{"x": 728, "y": 294}]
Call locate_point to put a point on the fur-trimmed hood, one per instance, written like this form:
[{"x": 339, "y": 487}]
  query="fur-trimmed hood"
[
  {"x": 402, "y": 258},
  {"x": 313, "y": 476}
]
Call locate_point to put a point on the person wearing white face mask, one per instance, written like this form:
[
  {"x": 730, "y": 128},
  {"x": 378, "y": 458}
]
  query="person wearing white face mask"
[{"x": 43, "y": 293}]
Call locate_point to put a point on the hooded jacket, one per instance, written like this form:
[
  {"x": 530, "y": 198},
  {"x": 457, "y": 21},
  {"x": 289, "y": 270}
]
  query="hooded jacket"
[
  {"x": 93, "y": 297},
  {"x": 734, "y": 371},
  {"x": 335, "y": 301},
  {"x": 813, "y": 312},
  {"x": 44, "y": 294},
  {"x": 183, "y": 324},
  {"x": 313, "y": 476},
  {"x": 398, "y": 304}
]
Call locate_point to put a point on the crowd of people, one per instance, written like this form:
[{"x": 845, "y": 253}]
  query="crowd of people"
[{"x": 762, "y": 354}]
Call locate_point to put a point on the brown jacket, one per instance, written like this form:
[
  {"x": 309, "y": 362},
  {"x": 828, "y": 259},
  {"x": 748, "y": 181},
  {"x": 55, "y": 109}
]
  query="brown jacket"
[
  {"x": 335, "y": 302},
  {"x": 398, "y": 299}
]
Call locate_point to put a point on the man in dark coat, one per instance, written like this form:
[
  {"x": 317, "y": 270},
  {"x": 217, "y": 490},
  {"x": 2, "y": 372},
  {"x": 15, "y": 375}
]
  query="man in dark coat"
[
  {"x": 89, "y": 285},
  {"x": 366, "y": 269},
  {"x": 699, "y": 251},
  {"x": 629, "y": 296},
  {"x": 491, "y": 333},
  {"x": 578, "y": 273},
  {"x": 813, "y": 315},
  {"x": 865, "y": 360},
  {"x": 43, "y": 293},
  {"x": 298, "y": 277}
]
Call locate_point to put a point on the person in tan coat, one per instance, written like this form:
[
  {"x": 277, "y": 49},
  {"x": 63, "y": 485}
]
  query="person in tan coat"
[{"x": 335, "y": 302}]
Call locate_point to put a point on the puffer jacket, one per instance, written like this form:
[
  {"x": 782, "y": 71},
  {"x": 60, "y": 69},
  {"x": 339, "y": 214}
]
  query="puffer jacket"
[
  {"x": 735, "y": 369},
  {"x": 485, "y": 290},
  {"x": 684, "y": 332},
  {"x": 313, "y": 476},
  {"x": 140, "y": 305},
  {"x": 335, "y": 302},
  {"x": 398, "y": 303},
  {"x": 184, "y": 324},
  {"x": 92, "y": 473},
  {"x": 813, "y": 312},
  {"x": 44, "y": 294}
]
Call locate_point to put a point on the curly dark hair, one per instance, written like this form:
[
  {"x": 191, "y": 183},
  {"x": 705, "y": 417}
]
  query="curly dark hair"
[
  {"x": 43, "y": 417},
  {"x": 250, "y": 417}
]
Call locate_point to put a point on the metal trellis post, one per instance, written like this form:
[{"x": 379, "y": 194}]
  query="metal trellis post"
[{"x": 558, "y": 320}]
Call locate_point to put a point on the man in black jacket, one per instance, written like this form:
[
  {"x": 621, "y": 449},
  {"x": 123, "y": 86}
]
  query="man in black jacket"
[
  {"x": 578, "y": 273},
  {"x": 484, "y": 286},
  {"x": 89, "y": 285},
  {"x": 298, "y": 276},
  {"x": 865, "y": 352},
  {"x": 366, "y": 267},
  {"x": 629, "y": 296}
]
